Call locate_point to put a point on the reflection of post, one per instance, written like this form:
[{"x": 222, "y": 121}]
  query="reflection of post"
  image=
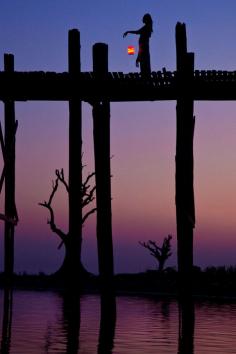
[
  {"x": 71, "y": 313},
  {"x": 184, "y": 160},
  {"x": 186, "y": 326},
  {"x": 7, "y": 321},
  {"x": 101, "y": 121},
  {"x": 107, "y": 324},
  {"x": 9, "y": 159}
]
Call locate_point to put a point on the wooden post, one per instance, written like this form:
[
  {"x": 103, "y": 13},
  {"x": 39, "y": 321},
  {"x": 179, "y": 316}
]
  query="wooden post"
[
  {"x": 101, "y": 121},
  {"x": 75, "y": 159},
  {"x": 185, "y": 211},
  {"x": 9, "y": 170}
]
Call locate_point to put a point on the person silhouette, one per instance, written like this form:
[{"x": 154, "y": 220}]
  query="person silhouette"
[{"x": 145, "y": 32}]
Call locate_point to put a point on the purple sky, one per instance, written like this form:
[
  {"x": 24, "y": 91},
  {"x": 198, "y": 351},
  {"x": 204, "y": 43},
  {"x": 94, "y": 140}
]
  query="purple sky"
[{"x": 142, "y": 134}]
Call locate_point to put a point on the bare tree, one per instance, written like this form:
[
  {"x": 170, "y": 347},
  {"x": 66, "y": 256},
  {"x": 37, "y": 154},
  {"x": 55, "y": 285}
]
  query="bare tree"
[
  {"x": 87, "y": 197},
  {"x": 161, "y": 254},
  {"x": 12, "y": 221}
]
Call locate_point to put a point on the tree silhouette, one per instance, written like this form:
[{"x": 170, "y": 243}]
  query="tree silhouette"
[
  {"x": 87, "y": 197},
  {"x": 161, "y": 254}
]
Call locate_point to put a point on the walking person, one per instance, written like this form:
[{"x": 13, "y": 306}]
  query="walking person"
[{"x": 145, "y": 32}]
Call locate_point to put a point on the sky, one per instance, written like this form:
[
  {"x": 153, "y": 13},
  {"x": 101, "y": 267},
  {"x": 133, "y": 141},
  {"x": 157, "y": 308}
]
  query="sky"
[{"x": 142, "y": 134}]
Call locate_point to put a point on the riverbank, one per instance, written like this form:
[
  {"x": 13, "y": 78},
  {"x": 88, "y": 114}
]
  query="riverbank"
[{"x": 213, "y": 282}]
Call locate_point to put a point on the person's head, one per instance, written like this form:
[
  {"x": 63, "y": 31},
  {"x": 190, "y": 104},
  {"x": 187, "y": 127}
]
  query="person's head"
[{"x": 147, "y": 20}]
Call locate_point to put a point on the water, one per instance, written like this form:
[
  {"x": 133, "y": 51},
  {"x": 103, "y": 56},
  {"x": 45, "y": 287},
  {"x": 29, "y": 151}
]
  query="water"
[{"x": 50, "y": 322}]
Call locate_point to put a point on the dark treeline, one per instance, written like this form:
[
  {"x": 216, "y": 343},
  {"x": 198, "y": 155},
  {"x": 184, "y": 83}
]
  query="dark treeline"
[{"x": 211, "y": 281}]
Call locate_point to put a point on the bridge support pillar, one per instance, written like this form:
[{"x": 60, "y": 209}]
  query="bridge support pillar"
[
  {"x": 101, "y": 126},
  {"x": 185, "y": 210},
  {"x": 9, "y": 172},
  {"x": 75, "y": 160}
]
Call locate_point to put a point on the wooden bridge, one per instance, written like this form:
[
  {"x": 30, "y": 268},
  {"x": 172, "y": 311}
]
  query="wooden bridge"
[
  {"x": 99, "y": 88},
  {"x": 115, "y": 86}
]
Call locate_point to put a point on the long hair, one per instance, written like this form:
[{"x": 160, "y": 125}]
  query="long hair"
[{"x": 147, "y": 20}]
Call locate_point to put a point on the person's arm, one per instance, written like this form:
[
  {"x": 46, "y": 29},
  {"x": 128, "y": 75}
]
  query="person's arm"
[{"x": 132, "y": 32}]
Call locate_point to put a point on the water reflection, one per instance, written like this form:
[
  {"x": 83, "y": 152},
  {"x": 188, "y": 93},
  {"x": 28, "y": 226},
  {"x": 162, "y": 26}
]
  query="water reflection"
[
  {"x": 165, "y": 309},
  {"x": 71, "y": 316},
  {"x": 69, "y": 326},
  {"x": 70, "y": 320},
  {"x": 65, "y": 323},
  {"x": 186, "y": 326},
  {"x": 107, "y": 324},
  {"x": 6, "y": 321}
]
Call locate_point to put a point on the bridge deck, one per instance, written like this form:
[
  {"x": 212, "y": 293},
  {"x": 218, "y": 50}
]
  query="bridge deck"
[{"x": 116, "y": 87}]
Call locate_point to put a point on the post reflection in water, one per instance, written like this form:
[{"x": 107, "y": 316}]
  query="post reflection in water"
[
  {"x": 186, "y": 326},
  {"x": 71, "y": 321},
  {"x": 46, "y": 322},
  {"x": 107, "y": 323},
  {"x": 7, "y": 321},
  {"x": 71, "y": 315}
]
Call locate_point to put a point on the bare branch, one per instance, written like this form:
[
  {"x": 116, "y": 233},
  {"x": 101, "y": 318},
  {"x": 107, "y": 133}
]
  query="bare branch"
[
  {"x": 88, "y": 178},
  {"x": 48, "y": 206},
  {"x": 54, "y": 189},
  {"x": 12, "y": 221},
  {"x": 87, "y": 193},
  {"x": 2, "y": 178},
  {"x": 16, "y": 218},
  {"x": 51, "y": 221},
  {"x": 61, "y": 178},
  {"x": 155, "y": 251},
  {"x": 60, "y": 244},
  {"x": 160, "y": 253},
  {"x": 87, "y": 214},
  {"x": 89, "y": 197},
  {"x": 86, "y": 186},
  {"x": 2, "y": 143}
]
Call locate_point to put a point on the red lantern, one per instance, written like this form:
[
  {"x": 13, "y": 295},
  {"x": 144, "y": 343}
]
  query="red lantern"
[{"x": 131, "y": 50}]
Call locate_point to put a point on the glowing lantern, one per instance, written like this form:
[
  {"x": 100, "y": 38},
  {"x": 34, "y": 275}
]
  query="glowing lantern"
[{"x": 131, "y": 50}]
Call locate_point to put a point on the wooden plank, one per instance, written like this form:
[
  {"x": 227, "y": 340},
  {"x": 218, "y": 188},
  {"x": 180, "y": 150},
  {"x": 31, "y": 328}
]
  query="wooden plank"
[
  {"x": 115, "y": 75},
  {"x": 121, "y": 75},
  {"x": 21, "y": 86},
  {"x": 155, "y": 79},
  {"x": 137, "y": 76}
]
